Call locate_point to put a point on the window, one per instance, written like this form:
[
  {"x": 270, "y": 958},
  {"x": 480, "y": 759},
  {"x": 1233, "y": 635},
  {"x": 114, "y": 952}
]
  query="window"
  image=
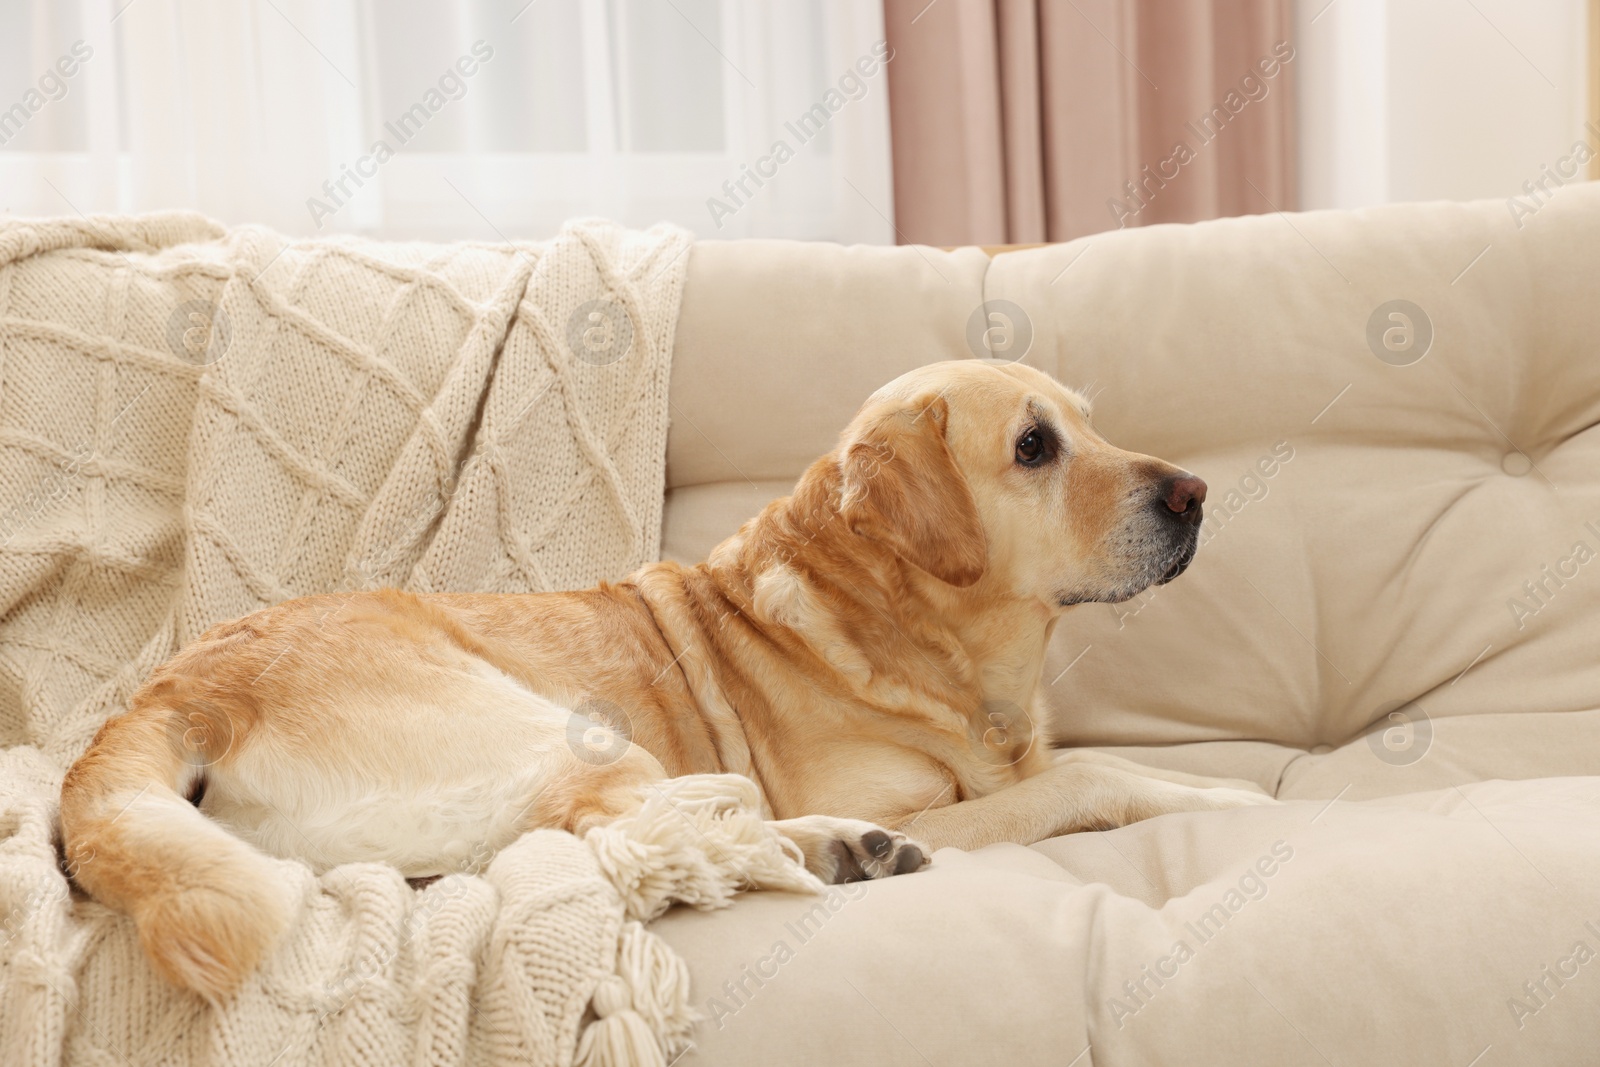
[{"x": 438, "y": 120}]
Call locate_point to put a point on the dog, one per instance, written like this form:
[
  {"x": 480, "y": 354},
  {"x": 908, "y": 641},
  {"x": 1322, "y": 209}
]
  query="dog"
[{"x": 867, "y": 650}]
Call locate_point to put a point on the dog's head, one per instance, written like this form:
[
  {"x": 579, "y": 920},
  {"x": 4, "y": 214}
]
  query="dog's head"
[{"x": 979, "y": 470}]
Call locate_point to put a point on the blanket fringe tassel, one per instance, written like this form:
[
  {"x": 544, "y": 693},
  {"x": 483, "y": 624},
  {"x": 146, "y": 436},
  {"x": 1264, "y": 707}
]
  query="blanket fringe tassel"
[
  {"x": 643, "y": 1009},
  {"x": 697, "y": 840}
]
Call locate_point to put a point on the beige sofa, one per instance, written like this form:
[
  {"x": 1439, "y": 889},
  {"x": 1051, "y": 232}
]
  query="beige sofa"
[{"x": 1394, "y": 624}]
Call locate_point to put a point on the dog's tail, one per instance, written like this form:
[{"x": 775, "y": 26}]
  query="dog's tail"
[{"x": 208, "y": 906}]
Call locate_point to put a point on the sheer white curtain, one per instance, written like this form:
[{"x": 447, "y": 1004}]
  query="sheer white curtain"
[{"x": 452, "y": 118}]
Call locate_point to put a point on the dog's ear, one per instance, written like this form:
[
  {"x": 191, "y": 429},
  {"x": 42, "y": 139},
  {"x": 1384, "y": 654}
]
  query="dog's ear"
[{"x": 901, "y": 487}]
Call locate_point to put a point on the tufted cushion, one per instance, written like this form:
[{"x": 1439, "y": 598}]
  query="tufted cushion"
[
  {"x": 1396, "y": 932},
  {"x": 1373, "y": 524},
  {"x": 1372, "y": 527}
]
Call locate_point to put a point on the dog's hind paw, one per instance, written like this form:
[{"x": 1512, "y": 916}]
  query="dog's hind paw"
[{"x": 849, "y": 850}]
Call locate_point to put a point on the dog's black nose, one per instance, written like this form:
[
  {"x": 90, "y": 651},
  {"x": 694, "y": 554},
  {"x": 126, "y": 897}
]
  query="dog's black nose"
[{"x": 1183, "y": 496}]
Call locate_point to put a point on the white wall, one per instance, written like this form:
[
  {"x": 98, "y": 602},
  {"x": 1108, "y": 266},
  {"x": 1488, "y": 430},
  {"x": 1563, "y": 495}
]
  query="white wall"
[{"x": 1436, "y": 99}]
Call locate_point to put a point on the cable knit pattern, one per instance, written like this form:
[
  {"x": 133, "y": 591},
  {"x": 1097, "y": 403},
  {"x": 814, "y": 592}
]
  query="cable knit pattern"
[{"x": 198, "y": 421}]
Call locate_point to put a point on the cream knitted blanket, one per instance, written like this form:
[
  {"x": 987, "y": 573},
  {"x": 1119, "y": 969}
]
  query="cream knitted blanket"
[{"x": 196, "y": 422}]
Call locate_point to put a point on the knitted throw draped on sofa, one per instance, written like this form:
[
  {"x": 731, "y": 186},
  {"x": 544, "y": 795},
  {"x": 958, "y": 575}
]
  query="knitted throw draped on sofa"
[{"x": 196, "y": 422}]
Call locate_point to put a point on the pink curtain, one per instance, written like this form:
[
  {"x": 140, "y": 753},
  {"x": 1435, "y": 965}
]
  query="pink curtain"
[{"x": 1017, "y": 121}]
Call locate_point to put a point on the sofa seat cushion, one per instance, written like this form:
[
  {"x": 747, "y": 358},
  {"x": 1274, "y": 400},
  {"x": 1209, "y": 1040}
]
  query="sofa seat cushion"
[
  {"x": 1413, "y": 929},
  {"x": 1399, "y": 756}
]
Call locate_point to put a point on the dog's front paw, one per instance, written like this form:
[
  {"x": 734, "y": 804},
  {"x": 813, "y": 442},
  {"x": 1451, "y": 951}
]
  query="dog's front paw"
[
  {"x": 849, "y": 850},
  {"x": 875, "y": 853}
]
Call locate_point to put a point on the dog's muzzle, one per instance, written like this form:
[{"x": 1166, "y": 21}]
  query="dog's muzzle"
[{"x": 1184, "y": 558}]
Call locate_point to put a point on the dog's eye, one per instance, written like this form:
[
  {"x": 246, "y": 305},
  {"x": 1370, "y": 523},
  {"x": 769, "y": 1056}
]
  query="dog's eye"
[{"x": 1032, "y": 449}]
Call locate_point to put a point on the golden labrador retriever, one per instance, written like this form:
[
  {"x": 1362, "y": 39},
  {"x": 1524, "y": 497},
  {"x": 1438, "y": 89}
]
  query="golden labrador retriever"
[{"x": 867, "y": 650}]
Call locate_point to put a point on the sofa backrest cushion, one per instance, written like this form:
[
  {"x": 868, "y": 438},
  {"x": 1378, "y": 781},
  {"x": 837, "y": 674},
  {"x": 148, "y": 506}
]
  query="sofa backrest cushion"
[{"x": 1404, "y": 512}]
